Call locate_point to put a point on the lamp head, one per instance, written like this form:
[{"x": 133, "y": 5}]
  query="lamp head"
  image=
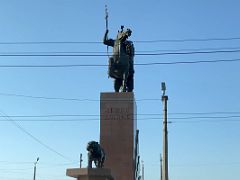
[{"x": 163, "y": 87}]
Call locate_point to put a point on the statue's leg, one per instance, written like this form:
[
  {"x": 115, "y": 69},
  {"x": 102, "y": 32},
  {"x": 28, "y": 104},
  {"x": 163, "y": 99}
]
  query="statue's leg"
[
  {"x": 124, "y": 83},
  {"x": 102, "y": 157},
  {"x": 117, "y": 84},
  {"x": 89, "y": 161},
  {"x": 102, "y": 161},
  {"x": 96, "y": 162},
  {"x": 130, "y": 83}
]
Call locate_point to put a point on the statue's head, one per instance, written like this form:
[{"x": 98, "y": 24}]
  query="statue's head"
[
  {"x": 128, "y": 32},
  {"x": 91, "y": 145},
  {"x": 124, "y": 34}
]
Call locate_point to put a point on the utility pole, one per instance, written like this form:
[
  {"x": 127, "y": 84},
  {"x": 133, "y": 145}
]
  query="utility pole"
[
  {"x": 161, "y": 167},
  {"x": 34, "y": 172},
  {"x": 142, "y": 171},
  {"x": 165, "y": 134},
  {"x": 81, "y": 160}
]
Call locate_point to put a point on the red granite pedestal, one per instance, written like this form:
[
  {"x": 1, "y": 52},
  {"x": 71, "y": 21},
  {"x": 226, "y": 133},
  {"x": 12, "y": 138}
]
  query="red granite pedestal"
[{"x": 117, "y": 133}]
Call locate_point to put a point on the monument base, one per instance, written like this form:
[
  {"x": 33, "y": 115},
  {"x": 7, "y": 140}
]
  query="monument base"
[
  {"x": 118, "y": 124},
  {"x": 90, "y": 173}
]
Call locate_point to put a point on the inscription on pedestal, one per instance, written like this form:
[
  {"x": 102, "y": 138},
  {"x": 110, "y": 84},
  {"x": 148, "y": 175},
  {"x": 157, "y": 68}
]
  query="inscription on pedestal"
[{"x": 116, "y": 113}]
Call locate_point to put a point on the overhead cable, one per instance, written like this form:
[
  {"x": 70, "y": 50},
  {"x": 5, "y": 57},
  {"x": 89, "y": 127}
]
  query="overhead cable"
[
  {"x": 137, "y": 51},
  {"x": 68, "y": 99},
  {"x": 232, "y": 113},
  {"x": 180, "y": 119},
  {"x": 105, "y": 65},
  {"x": 104, "y": 55},
  {"x": 136, "y": 41},
  {"x": 32, "y": 136}
]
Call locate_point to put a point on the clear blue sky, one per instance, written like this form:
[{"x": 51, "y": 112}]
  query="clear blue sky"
[{"x": 201, "y": 146}]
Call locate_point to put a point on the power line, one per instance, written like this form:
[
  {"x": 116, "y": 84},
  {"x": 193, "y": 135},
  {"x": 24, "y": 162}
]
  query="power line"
[
  {"x": 46, "y": 98},
  {"x": 188, "y": 53},
  {"x": 54, "y": 66},
  {"x": 16, "y": 162},
  {"x": 206, "y": 117},
  {"x": 104, "y": 55},
  {"x": 104, "y": 65},
  {"x": 205, "y": 113},
  {"x": 202, "y": 164},
  {"x": 32, "y": 136},
  {"x": 136, "y": 41},
  {"x": 43, "y": 164},
  {"x": 206, "y": 121},
  {"x": 67, "y": 99},
  {"x": 139, "y": 114},
  {"x": 53, "y": 120},
  {"x": 143, "y": 51},
  {"x": 188, "y": 40},
  {"x": 139, "y": 119},
  {"x": 185, "y": 119},
  {"x": 140, "y": 51},
  {"x": 187, "y": 62},
  {"x": 22, "y": 169},
  {"x": 179, "y": 50},
  {"x": 53, "y": 115},
  {"x": 49, "y": 42}
]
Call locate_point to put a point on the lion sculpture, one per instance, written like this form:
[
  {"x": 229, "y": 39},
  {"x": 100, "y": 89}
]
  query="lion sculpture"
[{"x": 96, "y": 154}]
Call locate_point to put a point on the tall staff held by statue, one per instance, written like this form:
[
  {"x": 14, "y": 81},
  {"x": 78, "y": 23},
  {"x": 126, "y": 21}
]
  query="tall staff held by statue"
[{"x": 106, "y": 21}]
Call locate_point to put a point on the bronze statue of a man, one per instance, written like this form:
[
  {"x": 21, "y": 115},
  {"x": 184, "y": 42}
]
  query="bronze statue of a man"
[{"x": 121, "y": 62}]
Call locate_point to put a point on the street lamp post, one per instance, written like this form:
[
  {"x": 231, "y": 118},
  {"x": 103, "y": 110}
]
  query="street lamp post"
[
  {"x": 165, "y": 134},
  {"x": 34, "y": 173}
]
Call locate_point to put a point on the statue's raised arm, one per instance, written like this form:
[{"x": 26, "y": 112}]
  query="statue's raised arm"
[{"x": 106, "y": 41}]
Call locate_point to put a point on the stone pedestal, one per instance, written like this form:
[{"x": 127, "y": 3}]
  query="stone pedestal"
[
  {"x": 90, "y": 173},
  {"x": 117, "y": 133}
]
